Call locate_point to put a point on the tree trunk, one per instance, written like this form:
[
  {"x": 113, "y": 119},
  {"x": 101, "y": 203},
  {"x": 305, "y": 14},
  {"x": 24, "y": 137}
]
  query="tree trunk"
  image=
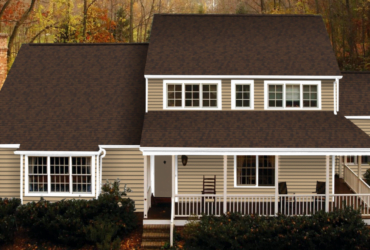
[
  {"x": 16, "y": 29},
  {"x": 262, "y": 6},
  {"x": 131, "y": 21},
  {"x": 84, "y": 21}
]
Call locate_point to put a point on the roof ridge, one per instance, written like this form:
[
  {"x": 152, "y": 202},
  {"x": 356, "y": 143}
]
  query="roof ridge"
[
  {"x": 241, "y": 15},
  {"x": 83, "y": 44}
]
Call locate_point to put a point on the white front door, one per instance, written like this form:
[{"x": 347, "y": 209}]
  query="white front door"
[{"x": 163, "y": 169}]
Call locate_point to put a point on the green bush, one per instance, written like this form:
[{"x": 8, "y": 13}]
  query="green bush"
[
  {"x": 343, "y": 229},
  {"x": 76, "y": 222},
  {"x": 366, "y": 176},
  {"x": 7, "y": 219}
]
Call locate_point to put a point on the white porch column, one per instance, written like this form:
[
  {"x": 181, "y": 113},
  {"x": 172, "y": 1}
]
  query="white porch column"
[
  {"x": 276, "y": 184},
  {"x": 225, "y": 183},
  {"x": 327, "y": 185},
  {"x": 359, "y": 172},
  {"x": 344, "y": 168},
  {"x": 145, "y": 186},
  {"x": 174, "y": 158},
  {"x": 332, "y": 174}
]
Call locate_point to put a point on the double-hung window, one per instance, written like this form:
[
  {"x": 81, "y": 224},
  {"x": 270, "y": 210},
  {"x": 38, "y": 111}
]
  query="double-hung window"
[
  {"x": 291, "y": 95},
  {"x": 60, "y": 176},
  {"x": 194, "y": 94},
  {"x": 242, "y": 94},
  {"x": 254, "y": 171}
]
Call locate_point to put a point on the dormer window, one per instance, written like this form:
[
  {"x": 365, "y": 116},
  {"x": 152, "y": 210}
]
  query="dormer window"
[
  {"x": 192, "y": 94},
  {"x": 285, "y": 95}
]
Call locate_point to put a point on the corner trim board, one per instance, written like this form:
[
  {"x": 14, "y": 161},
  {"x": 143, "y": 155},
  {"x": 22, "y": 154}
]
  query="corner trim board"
[{"x": 10, "y": 145}]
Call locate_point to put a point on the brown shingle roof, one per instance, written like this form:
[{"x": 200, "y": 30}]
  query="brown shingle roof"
[
  {"x": 354, "y": 94},
  {"x": 258, "y": 129},
  {"x": 74, "y": 97},
  {"x": 240, "y": 45}
]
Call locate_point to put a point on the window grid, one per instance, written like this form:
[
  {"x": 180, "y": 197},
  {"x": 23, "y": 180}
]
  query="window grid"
[
  {"x": 246, "y": 170},
  {"x": 37, "y": 174},
  {"x": 192, "y": 95},
  {"x": 174, "y": 95},
  {"x": 242, "y": 95},
  {"x": 81, "y": 174},
  {"x": 351, "y": 159},
  {"x": 209, "y": 95},
  {"x": 310, "y": 96},
  {"x": 365, "y": 159},
  {"x": 266, "y": 170},
  {"x": 276, "y": 96},
  {"x": 292, "y": 96},
  {"x": 59, "y": 174}
]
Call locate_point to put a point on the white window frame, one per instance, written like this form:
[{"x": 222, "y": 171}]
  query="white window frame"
[
  {"x": 233, "y": 94},
  {"x": 257, "y": 173},
  {"x": 200, "y": 82},
  {"x": 352, "y": 163},
  {"x": 60, "y": 194},
  {"x": 284, "y": 83}
]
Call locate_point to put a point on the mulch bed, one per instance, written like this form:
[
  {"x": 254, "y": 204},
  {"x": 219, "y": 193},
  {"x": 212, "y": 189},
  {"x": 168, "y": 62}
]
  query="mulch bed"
[{"x": 23, "y": 241}]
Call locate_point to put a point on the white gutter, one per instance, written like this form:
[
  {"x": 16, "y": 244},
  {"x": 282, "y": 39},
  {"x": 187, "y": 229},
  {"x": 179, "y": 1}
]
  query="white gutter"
[
  {"x": 239, "y": 77},
  {"x": 56, "y": 153},
  {"x": 337, "y": 81},
  {"x": 358, "y": 117},
  {"x": 10, "y": 145},
  {"x": 254, "y": 151},
  {"x": 100, "y": 171}
]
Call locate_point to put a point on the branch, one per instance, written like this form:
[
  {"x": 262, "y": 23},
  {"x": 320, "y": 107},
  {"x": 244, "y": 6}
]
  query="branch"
[
  {"x": 38, "y": 34},
  {"x": 4, "y": 7},
  {"x": 88, "y": 6}
]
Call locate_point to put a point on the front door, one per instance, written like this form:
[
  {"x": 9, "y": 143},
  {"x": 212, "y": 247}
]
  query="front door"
[{"x": 163, "y": 169}]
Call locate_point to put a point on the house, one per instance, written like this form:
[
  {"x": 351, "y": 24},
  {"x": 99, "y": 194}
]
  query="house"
[{"x": 218, "y": 113}]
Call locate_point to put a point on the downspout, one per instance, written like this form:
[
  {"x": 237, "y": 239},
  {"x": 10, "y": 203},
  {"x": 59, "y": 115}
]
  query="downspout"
[
  {"x": 337, "y": 81},
  {"x": 146, "y": 94},
  {"x": 100, "y": 169},
  {"x": 335, "y": 97},
  {"x": 21, "y": 195}
]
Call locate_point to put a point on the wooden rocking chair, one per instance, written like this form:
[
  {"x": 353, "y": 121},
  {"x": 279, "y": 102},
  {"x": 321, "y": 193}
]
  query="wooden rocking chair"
[{"x": 209, "y": 187}]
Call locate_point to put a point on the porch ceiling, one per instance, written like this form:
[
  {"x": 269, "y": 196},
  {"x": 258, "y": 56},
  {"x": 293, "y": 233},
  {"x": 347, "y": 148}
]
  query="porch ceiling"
[{"x": 273, "y": 131}]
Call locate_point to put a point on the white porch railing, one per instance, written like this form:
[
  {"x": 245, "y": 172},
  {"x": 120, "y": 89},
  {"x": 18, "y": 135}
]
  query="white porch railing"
[
  {"x": 302, "y": 204},
  {"x": 351, "y": 178},
  {"x": 356, "y": 201}
]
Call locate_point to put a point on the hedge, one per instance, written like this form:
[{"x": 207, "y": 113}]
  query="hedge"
[
  {"x": 7, "y": 219},
  {"x": 341, "y": 229}
]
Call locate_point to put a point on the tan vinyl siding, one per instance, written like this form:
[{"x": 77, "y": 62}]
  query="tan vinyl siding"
[
  {"x": 27, "y": 199},
  {"x": 155, "y": 94},
  {"x": 128, "y": 166},
  {"x": 302, "y": 172},
  {"x": 9, "y": 174},
  {"x": 363, "y": 124}
]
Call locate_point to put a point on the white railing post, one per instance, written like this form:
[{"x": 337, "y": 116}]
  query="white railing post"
[
  {"x": 359, "y": 172},
  {"x": 145, "y": 187},
  {"x": 276, "y": 185},
  {"x": 345, "y": 164},
  {"x": 327, "y": 185},
  {"x": 340, "y": 166},
  {"x": 225, "y": 184},
  {"x": 174, "y": 158}
]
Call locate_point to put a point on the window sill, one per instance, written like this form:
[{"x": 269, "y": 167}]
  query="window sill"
[
  {"x": 262, "y": 187},
  {"x": 58, "y": 195}
]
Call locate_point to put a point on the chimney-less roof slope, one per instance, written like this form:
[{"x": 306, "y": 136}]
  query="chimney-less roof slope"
[
  {"x": 240, "y": 45},
  {"x": 74, "y": 97}
]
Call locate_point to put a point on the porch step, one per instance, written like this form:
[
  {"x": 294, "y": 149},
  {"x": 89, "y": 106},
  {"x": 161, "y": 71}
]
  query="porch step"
[{"x": 155, "y": 236}]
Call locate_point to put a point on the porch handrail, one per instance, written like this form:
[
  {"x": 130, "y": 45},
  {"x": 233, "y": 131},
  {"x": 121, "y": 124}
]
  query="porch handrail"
[{"x": 351, "y": 178}]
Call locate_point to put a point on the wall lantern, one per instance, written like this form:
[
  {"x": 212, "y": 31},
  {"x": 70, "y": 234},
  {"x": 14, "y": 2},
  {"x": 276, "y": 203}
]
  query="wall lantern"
[{"x": 184, "y": 160}]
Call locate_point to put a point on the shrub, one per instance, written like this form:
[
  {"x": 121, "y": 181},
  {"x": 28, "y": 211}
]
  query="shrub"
[
  {"x": 341, "y": 229},
  {"x": 366, "y": 176},
  {"x": 75, "y": 222},
  {"x": 7, "y": 219}
]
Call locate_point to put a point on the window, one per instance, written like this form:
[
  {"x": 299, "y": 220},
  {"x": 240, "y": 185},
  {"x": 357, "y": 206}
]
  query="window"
[
  {"x": 242, "y": 94},
  {"x": 59, "y": 176},
  {"x": 192, "y": 94},
  {"x": 292, "y": 95},
  {"x": 174, "y": 95},
  {"x": 253, "y": 171},
  {"x": 351, "y": 159},
  {"x": 365, "y": 159}
]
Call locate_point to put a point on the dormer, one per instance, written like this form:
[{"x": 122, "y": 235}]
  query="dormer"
[{"x": 241, "y": 62}]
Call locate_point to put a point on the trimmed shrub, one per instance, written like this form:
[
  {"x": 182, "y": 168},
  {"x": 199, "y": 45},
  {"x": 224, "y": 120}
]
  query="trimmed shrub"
[
  {"x": 76, "y": 222},
  {"x": 342, "y": 229},
  {"x": 7, "y": 219}
]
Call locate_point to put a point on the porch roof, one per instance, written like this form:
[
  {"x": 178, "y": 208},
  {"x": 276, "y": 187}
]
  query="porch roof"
[{"x": 251, "y": 129}]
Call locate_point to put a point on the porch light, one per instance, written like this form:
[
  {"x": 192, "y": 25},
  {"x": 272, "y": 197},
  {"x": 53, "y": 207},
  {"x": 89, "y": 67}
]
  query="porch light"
[{"x": 184, "y": 160}]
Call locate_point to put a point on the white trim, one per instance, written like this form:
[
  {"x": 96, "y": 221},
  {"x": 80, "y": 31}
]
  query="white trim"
[
  {"x": 146, "y": 94},
  {"x": 152, "y": 173},
  {"x": 146, "y": 208},
  {"x": 119, "y": 146},
  {"x": 178, "y": 223},
  {"x": 284, "y": 83},
  {"x": 56, "y": 153},
  {"x": 253, "y": 151},
  {"x": 201, "y": 82},
  {"x": 10, "y": 145},
  {"x": 335, "y": 97},
  {"x": 59, "y": 194},
  {"x": 233, "y": 94},
  {"x": 358, "y": 117},
  {"x": 337, "y": 81},
  {"x": 257, "y": 177},
  {"x": 239, "y": 77},
  {"x": 332, "y": 174},
  {"x": 21, "y": 193}
]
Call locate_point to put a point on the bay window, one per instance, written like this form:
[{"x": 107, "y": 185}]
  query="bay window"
[
  {"x": 192, "y": 94},
  {"x": 293, "y": 95},
  {"x": 254, "y": 171},
  {"x": 60, "y": 176}
]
